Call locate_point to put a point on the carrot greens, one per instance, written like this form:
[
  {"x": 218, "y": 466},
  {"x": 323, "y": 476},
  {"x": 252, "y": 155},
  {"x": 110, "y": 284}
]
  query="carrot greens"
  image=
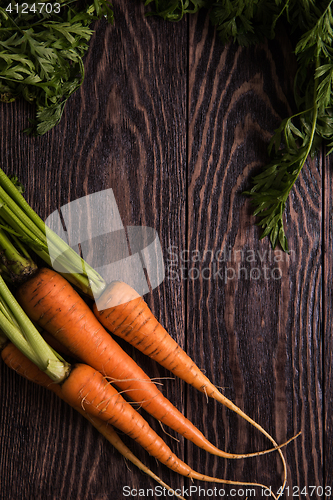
[
  {"x": 174, "y": 10},
  {"x": 311, "y": 125},
  {"x": 41, "y": 53},
  {"x": 304, "y": 133},
  {"x": 23, "y": 224}
]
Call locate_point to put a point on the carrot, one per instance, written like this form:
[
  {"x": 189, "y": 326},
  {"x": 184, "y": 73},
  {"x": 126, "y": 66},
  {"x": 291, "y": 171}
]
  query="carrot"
[
  {"x": 89, "y": 389},
  {"x": 16, "y": 360},
  {"x": 50, "y": 301},
  {"x": 124, "y": 313}
]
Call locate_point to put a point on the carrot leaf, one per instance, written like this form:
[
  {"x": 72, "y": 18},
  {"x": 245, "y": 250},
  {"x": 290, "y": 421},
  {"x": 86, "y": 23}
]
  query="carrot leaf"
[{"x": 41, "y": 54}]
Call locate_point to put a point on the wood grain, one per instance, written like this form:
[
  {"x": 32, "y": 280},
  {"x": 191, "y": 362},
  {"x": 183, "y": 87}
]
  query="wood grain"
[
  {"x": 176, "y": 124},
  {"x": 327, "y": 302},
  {"x": 260, "y": 314}
]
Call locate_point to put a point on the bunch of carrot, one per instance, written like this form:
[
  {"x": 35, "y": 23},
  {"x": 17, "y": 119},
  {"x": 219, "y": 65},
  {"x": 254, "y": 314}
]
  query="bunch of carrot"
[
  {"x": 18, "y": 362},
  {"x": 92, "y": 385}
]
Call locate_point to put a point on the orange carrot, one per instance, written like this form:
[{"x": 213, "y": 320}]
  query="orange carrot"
[
  {"x": 124, "y": 312},
  {"x": 87, "y": 388},
  {"x": 16, "y": 360},
  {"x": 50, "y": 300}
]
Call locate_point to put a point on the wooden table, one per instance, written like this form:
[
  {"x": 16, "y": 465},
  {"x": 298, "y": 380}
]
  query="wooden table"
[{"x": 176, "y": 124}]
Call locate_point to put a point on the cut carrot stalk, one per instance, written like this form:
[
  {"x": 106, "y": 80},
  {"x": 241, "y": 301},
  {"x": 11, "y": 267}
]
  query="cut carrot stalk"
[
  {"x": 16, "y": 264},
  {"x": 21, "y": 221},
  {"x": 89, "y": 389}
]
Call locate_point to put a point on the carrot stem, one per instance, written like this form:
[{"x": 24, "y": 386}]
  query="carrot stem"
[
  {"x": 23, "y": 333},
  {"x": 31, "y": 228},
  {"x": 16, "y": 263},
  {"x": 15, "y": 336}
]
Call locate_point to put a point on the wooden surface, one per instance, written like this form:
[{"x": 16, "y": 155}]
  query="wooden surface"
[{"x": 176, "y": 123}]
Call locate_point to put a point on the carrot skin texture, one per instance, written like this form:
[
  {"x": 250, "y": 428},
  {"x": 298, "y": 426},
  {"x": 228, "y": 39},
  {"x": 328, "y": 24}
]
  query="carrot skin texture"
[
  {"x": 124, "y": 313},
  {"x": 89, "y": 392},
  {"x": 52, "y": 302},
  {"x": 88, "y": 389},
  {"x": 17, "y": 361},
  {"x": 133, "y": 321}
]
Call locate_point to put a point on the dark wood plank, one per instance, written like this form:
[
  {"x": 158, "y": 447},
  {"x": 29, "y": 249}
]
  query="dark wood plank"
[
  {"x": 327, "y": 324},
  {"x": 254, "y": 325}
]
